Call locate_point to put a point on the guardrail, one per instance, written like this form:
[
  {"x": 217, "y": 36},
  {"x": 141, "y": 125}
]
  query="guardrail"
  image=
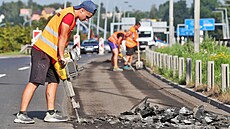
[
  {"x": 26, "y": 49},
  {"x": 177, "y": 65},
  {"x": 223, "y": 42}
]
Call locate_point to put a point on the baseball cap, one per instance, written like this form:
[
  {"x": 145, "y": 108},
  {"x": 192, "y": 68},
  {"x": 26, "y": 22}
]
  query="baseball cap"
[{"x": 87, "y": 5}]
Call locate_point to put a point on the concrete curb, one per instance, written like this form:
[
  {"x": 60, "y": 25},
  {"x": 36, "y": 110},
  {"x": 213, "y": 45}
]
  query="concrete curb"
[{"x": 199, "y": 96}]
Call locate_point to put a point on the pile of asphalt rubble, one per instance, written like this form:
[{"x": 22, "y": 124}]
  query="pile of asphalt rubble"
[{"x": 143, "y": 115}]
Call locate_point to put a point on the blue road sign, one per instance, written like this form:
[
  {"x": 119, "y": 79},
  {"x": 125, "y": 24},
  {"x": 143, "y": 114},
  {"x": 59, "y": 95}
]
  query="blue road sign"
[
  {"x": 205, "y": 24},
  {"x": 185, "y": 32}
]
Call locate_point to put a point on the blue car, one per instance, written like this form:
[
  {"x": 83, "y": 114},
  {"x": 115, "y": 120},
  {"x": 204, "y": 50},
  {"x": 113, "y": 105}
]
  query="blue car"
[{"x": 89, "y": 46}]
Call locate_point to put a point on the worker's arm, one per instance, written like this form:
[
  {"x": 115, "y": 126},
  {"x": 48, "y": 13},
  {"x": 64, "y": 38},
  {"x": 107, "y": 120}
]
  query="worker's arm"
[
  {"x": 128, "y": 34},
  {"x": 119, "y": 42},
  {"x": 62, "y": 40}
]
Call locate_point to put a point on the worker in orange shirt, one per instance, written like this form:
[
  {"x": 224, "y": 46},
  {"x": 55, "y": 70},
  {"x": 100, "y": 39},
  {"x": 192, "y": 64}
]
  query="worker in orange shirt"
[
  {"x": 114, "y": 42},
  {"x": 131, "y": 43}
]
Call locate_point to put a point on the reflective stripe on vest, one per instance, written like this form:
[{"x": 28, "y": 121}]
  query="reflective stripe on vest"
[
  {"x": 48, "y": 42},
  {"x": 113, "y": 38},
  {"x": 51, "y": 31},
  {"x": 130, "y": 43}
]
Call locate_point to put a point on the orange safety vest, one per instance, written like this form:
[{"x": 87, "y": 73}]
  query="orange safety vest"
[
  {"x": 131, "y": 40},
  {"x": 48, "y": 41},
  {"x": 113, "y": 38}
]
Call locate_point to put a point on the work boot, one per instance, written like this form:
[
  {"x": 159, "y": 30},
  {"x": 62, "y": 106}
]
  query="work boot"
[
  {"x": 117, "y": 69},
  {"x": 126, "y": 67},
  {"x": 54, "y": 117},
  {"x": 23, "y": 119}
]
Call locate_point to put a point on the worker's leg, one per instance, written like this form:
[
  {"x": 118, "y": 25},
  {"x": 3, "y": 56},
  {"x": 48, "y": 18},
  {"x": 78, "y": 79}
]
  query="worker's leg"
[
  {"x": 115, "y": 57},
  {"x": 27, "y": 96},
  {"x": 40, "y": 63},
  {"x": 51, "y": 90}
]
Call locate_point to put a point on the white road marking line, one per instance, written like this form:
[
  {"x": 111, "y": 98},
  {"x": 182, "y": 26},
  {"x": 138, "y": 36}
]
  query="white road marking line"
[
  {"x": 24, "y": 68},
  {"x": 2, "y": 75}
]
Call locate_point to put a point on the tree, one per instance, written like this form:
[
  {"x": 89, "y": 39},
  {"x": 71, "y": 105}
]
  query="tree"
[
  {"x": 181, "y": 12},
  {"x": 11, "y": 11},
  {"x": 206, "y": 8},
  {"x": 153, "y": 12},
  {"x": 164, "y": 11}
]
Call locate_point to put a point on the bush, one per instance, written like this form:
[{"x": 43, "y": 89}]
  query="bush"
[{"x": 11, "y": 38}]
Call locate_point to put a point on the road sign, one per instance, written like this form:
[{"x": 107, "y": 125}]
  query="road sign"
[
  {"x": 185, "y": 32},
  {"x": 130, "y": 21},
  {"x": 36, "y": 35},
  {"x": 205, "y": 24},
  {"x": 159, "y": 26},
  {"x": 76, "y": 41}
]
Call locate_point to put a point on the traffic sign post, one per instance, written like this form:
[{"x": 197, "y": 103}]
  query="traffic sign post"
[{"x": 101, "y": 46}]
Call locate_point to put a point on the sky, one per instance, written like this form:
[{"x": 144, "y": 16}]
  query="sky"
[{"x": 143, "y": 5}]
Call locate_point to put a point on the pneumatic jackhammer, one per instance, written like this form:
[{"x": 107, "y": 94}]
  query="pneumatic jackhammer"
[{"x": 66, "y": 73}]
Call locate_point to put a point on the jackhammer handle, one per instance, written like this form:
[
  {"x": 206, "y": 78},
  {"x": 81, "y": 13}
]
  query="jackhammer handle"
[{"x": 62, "y": 63}]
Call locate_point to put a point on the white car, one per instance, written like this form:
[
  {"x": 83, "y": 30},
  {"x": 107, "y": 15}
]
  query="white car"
[{"x": 107, "y": 47}]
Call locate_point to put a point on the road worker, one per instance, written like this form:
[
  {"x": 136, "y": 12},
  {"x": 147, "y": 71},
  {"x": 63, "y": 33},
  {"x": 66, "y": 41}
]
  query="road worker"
[
  {"x": 46, "y": 51},
  {"x": 115, "y": 41},
  {"x": 131, "y": 43}
]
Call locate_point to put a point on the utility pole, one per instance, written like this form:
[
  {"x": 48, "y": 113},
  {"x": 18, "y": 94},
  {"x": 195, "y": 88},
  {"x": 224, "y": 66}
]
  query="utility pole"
[
  {"x": 98, "y": 16},
  {"x": 78, "y": 21},
  {"x": 171, "y": 28},
  {"x": 105, "y": 25},
  {"x": 114, "y": 11},
  {"x": 89, "y": 28},
  {"x": 65, "y": 4},
  {"x": 197, "y": 26}
]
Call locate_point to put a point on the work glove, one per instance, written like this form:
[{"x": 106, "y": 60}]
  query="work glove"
[
  {"x": 120, "y": 54},
  {"x": 62, "y": 62}
]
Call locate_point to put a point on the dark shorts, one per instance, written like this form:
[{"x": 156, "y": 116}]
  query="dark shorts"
[
  {"x": 112, "y": 45},
  {"x": 129, "y": 51},
  {"x": 42, "y": 69}
]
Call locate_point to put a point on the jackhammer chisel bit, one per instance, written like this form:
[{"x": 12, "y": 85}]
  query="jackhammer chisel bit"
[{"x": 70, "y": 93}]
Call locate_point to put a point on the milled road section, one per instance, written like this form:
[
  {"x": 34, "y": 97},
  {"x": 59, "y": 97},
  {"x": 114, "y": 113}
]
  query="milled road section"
[{"x": 103, "y": 92}]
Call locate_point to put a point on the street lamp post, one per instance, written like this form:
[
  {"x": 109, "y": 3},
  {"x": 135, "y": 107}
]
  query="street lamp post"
[
  {"x": 64, "y": 3},
  {"x": 223, "y": 23},
  {"x": 78, "y": 22},
  {"x": 226, "y": 18},
  {"x": 197, "y": 26},
  {"x": 105, "y": 25},
  {"x": 98, "y": 16},
  {"x": 171, "y": 28}
]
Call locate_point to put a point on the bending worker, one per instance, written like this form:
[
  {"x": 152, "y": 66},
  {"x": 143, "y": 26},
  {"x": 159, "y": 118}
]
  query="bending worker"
[
  {"x": 131, "y": 43},
  {"x": 46, "y": 51},
  {"x": 114, "y": 42}
]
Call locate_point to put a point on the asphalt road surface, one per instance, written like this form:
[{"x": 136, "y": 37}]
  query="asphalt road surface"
[
  {"x": 103, "y": 92},
  {"x": 14, "y": 75},
  {"x": 99, "y": 90}
]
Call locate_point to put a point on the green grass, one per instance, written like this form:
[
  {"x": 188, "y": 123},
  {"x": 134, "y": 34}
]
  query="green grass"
[
  {"x": 15, "y": 53},
  {"x": 209, "y": 51}
]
